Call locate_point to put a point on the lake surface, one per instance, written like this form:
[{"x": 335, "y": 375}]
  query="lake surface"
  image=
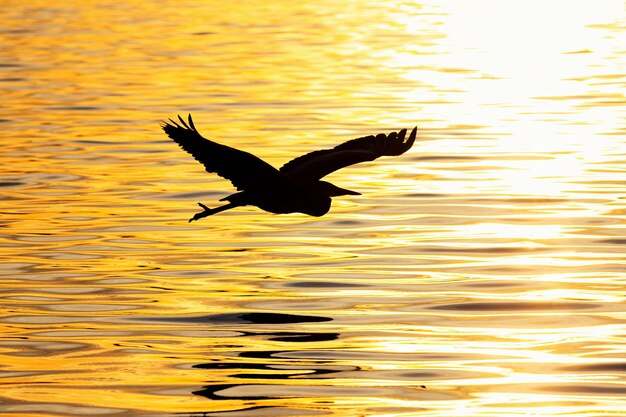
[{"x": 482, "y": 273}]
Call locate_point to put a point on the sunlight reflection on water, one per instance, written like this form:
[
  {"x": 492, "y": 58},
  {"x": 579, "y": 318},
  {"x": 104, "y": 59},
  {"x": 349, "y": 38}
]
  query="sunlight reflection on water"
[{"x": 479, "y": 274}]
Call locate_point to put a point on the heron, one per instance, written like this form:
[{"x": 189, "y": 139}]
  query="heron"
[{"x": 296, "y": 187}]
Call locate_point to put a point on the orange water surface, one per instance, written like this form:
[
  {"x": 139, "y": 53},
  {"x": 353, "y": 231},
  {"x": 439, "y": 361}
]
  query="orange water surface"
[{"x": 481, "y": 274}]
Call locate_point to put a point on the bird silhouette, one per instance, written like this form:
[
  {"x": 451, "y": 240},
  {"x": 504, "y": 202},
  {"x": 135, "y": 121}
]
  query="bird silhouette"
[{"x": 294, "y": 188}]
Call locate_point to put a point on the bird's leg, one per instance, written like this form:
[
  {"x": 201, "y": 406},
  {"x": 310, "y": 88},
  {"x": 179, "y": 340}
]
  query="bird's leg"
[
  {"x": 206, "y": 212},
  {"x": 209, "y": 211}
]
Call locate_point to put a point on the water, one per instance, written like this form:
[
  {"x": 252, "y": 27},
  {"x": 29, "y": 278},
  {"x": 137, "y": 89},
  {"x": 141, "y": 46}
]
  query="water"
[{"x": 480, "y": 274}]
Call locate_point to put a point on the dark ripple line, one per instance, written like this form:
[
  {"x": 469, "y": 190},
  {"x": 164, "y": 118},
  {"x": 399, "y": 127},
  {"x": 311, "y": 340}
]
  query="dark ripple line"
[{"x": 508, "y": 306}]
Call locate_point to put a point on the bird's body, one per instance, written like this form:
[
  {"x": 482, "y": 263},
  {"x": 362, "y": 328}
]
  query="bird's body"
[{"x": 297, "y": 186}]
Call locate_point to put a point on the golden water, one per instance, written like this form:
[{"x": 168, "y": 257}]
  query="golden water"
[{"x": 480, "y": 274}]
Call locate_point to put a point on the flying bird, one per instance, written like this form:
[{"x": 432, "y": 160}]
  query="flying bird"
[{"x": 294, "y": 188}]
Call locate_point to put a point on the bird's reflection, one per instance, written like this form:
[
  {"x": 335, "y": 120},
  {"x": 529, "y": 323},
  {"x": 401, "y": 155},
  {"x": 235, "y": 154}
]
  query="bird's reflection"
[
  {"x": 297, "y": 186},
  {"x": 242, "y": 318},
  {"x": 263, "y": 365},
  {"x": 281, "y": 370}
]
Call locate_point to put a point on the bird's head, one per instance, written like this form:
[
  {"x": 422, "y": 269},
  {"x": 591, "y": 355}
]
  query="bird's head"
[{"x": 332, "y": 190}]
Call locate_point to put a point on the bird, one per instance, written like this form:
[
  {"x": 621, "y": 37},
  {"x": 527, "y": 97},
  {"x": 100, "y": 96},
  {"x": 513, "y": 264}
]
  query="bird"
[{"x": 296, "y": 187}]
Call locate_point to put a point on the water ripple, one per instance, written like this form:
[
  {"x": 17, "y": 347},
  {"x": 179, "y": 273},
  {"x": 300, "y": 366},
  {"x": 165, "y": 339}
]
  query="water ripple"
[{"x": 479, "y": 274}]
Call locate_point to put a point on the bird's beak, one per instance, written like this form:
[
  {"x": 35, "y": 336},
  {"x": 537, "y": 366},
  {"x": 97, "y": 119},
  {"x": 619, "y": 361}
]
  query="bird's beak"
[
  {"x": 343, "y": 191},
  {"x": 332, "y": 190}
]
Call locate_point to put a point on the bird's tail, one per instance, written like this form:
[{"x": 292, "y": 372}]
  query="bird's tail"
[{"x": 209, "y": 211}]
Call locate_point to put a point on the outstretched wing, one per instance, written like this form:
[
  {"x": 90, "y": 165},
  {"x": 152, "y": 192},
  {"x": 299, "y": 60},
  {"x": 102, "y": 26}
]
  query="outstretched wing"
[
  {"x": 244, "y": 170},
  {"x": 316, "y": 165}
]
